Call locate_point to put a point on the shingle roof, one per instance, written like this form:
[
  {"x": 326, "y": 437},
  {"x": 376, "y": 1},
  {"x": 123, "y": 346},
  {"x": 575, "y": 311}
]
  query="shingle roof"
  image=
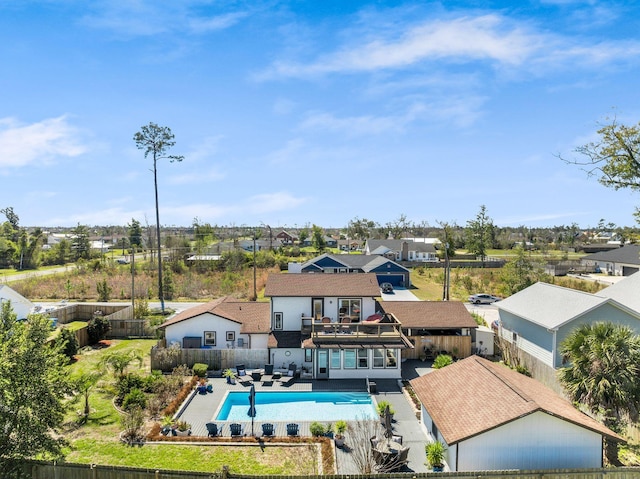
[
  {"x": 306, "y": 285},
  {"x": 625, "y": 292},
  {"x": 365, "y": 262},
  {"x": 430, "y": 314},
  {"x": 396, "y": 245},
  {"x": 548, "y": 305},
  {"x": 254, "y": 317},
  {"x": 628, "y": 254},
  {"x": 457, "y": 398}
]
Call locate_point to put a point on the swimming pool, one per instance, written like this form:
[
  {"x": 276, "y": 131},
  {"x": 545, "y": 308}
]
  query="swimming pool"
[{"x": 298, "y": 406}]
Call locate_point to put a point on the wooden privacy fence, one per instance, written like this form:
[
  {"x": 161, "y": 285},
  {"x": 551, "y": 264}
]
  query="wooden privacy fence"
[
  {"x": 42, "y": 470},
  {"x": 165, "y": 359},
  {"x": 460, "y": 344}
]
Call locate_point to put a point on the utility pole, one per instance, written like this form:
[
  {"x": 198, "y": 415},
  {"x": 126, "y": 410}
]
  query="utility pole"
[{"x": 255, "y": 287}]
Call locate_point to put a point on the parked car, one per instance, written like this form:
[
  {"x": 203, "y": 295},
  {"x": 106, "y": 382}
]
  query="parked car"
[
  {"x": 122, "y": 261},
  {"x": 483, "y": 298},
  {"x": 386, "y": 287}
]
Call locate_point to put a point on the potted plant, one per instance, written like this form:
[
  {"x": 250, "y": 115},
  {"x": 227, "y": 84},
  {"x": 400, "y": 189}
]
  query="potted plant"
[
  {"x": 340, "y": 428},
  {"x": 435, "y": 455},
  {"x": 166, "y": 424},
  {"x": 317, "y": 429},
  {"x": 382, "y": 405},
  {"x": 183, "y": 428},
  {"x": 230, "y": 375}
]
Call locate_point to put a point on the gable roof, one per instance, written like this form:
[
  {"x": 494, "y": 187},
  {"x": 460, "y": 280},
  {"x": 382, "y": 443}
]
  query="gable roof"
[
  {"x": 625, "y": 292},
  {"x": 365, "y": 284},
  {"x": 430, "y": 314},
  {"x": 560, "y": 305},
  {"x": 396, "y": 245},
  {"x": 456, "y": 398},
  {"x": 252, "y": 316},
  {"x": 628, "y": 254},
  {"x": 365, "y": 262}
]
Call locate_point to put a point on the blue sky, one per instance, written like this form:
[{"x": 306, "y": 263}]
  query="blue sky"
[{"x": 303, "y": 112}]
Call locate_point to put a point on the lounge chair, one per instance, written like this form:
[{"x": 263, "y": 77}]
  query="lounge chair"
[
  {"x": 235, "y": 429},
  {"x": 291, "y": 375},
  {"x": 293, "y": 429},
  {"x": 213, "y": 430},
  {"x": 241, "y": 375},
  {"x": 268, "y": 429}
]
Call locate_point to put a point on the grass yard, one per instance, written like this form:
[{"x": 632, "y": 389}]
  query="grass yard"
[{"x": 301, "y": 459}]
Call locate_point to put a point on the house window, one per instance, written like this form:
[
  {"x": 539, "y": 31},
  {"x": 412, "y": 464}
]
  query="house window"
[
  {"x": 378, "y": 358},
  {"x": 392, "y": 362},
  {"x": 349, "y": 358},
  {"x": 209, "y": 338},
  {"x": 308, "y": 355},
  {"x": 350, "y": 307},
  {"x": 363, "y": 358},
  {"x": 335, "y": 359},
  {"x": 277, "y": 320},
  {"x": 316, "y": 308},
  {"x": 231, "y": 335}
]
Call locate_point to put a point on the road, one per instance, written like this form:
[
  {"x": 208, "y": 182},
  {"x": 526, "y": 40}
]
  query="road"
[{"x": 7, "y": 278}]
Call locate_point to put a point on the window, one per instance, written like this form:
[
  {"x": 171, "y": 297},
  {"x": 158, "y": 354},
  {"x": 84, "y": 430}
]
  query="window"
[
  {"x": 378, "y": 358},
  {"x": 277, "y": 320},
  {"x": 316, "y": 308},
  {"x": 349, "y": 358},
  {"x": 363, "y": 358},
  {"x": 350, "y": 307},
  {"x": 210, "y": 338},
  {"x": 335, "y": 359},
  {"x": 308, "y": 355},
  {"x": 231, "y": 335},
  {"x": 391, "y": 359}
]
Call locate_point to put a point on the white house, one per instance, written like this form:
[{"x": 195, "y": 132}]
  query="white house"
[
  {"x": 20, "y": 305},
  {"x": 221, "y": 324},
  {"x": 490, "y": 417},
  {"x": 403, "y": 250},
  {"x": 334, "y": 322}
]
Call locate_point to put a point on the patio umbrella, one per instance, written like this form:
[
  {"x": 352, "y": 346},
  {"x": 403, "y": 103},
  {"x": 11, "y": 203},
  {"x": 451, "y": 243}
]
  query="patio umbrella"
[
  {"x": 388, "y": 428},
  {"x": 252, "y": 405}
]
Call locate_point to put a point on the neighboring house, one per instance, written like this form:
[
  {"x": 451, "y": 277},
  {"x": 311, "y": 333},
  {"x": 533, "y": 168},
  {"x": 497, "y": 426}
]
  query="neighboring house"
[
  {"x": 328, "y": 241},
  {"x": 350, "y": 244},
  {"x": 387, "y": 271},
  {"x": 626, "y": 291},
  {"x": 260, "y": 244},
  {"x": 286, "y": 238},
  {"x": 221, "y": 324},
  {"x": 21, "y": 306},
  {"x": 434, "y": 326},
  {"x": 319, "y": 321},
  {"x": 537, "y": 319},
  {"x": 402, "y": 250},
  {"x": 622, "y": 261},
  {"x": 493, "y": 418}
]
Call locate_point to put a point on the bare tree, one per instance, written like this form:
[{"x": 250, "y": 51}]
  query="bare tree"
[
  {"x": 157, "y": 140},
  {"x": 358, "y": 438}
]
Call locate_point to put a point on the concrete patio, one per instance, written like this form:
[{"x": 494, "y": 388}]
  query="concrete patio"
[{"x": 202, "y": 408}]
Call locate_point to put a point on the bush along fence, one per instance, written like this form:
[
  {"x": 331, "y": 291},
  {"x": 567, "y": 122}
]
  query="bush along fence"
[{"x": 44, "y": 470}]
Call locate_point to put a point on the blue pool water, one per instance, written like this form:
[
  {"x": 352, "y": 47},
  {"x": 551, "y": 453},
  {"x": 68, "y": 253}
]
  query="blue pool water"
[{"x": 298, "y": 406}]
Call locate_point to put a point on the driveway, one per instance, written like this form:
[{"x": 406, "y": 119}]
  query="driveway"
[
  {"x": 489, "y": 312},
  {"x": 399, "y": 294}
]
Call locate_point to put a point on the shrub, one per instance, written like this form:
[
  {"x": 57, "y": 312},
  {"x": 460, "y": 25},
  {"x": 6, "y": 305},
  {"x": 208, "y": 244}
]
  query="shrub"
[
  {"x": 97, "y": 328},
  {"x": 152, "y": 381},
  {"x": 200, "y": 370},
  {"x": 140, "y": 308},
  {"x": 127, "y": 383},
  {"x": 133, "y": 423},
  {"x": 69, "y": 343},
  {"x": 134, "y": 399},
  {"x": 382, "y": 405},
  {"x": 104, "y": 290},
  {"x": 317, "y": 429},
  {"x": 442, "y": 360}
]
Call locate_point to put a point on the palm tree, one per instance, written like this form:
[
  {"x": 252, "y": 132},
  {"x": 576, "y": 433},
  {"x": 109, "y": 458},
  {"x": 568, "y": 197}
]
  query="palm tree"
[{"x": 603, "y": 373}]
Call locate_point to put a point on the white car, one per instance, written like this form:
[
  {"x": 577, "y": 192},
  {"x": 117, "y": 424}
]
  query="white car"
[{"x": 483, "y": 298}]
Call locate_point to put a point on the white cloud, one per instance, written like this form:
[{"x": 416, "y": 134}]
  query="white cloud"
[
  {"x": 196, "y": 177},
  {"x": 291, "y": 152},
  {"x": 219, "y": 22},
  {"x": 36, "y": 143}
]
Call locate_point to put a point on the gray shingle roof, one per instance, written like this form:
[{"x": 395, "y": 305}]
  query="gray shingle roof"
[
  {"x": 320, "y": 285},
  {"x": 625, "y": 292},
  {"x": 629, "y": 254},
  {"x": 550, "y": 306}
]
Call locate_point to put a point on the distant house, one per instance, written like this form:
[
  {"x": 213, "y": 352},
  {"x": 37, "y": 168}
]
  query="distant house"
[
  {"x": 402, "y": 250},
  {"x": 493, "y": 418},
  {"x": 385, "y": 269},
  {"x": 260, "y": 244},
  {"x": 619, "y": 261},
  {"x": 286, "y": 238},
  {"x": 221, "y": 324},
  {"x": 21, "y": 306},
  {"x": 535, "y": 321}
]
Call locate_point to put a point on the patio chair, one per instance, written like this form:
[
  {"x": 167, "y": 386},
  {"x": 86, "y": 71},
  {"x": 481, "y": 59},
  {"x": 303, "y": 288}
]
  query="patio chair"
[
  {"x": 256, "y": 376},
  {"x": 268, "y": 430},
  {"x": 293, "y": 429},
  {"x": 290, "y": 377},
  {"x": 241, "y": 375},
  {"x": 268, "y": 369},
  {"x": 213, "y": 430},
  {"x": 236, "y": 429}
]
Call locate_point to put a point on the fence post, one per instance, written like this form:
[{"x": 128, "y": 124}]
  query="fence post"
[
  {"x": 94, "y": 471},
  {"x": 225, "y": 472},
  {"x": 157, "y": 474}
]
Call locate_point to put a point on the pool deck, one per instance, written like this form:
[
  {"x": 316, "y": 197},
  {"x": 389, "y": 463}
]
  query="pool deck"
[{"x": 202, "y": 408}]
